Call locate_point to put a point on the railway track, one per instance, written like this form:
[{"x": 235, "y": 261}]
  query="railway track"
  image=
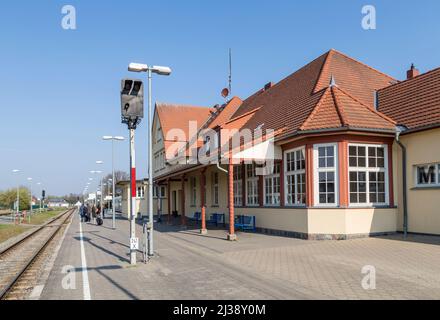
[{"x": 19, "y": 262}]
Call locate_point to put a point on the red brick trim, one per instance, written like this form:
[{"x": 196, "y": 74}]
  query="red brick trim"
[{"x": 343, "y": 173}]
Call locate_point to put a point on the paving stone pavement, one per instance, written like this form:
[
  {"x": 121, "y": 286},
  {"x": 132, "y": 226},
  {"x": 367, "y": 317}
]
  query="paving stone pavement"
[{"x": 188, "y": 265}]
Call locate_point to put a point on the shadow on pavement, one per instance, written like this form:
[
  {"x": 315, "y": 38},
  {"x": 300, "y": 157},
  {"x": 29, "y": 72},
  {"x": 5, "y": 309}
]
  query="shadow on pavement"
[
  {"x": 100, "y": 270},
  {"x": 413, "y": 238},
  {"x": 89, "y": 241}
]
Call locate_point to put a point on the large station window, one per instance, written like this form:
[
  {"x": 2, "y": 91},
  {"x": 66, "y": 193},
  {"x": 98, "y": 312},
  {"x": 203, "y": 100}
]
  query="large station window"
[
  {"x": 295, "y": 178},
  {"x": 272, "y": 193},
  {"x": 326, "y": 175},
  {"x": 251, "y": 185},
  {"x": 238, "y": 186},
  {"x": 368, "y": 174}
]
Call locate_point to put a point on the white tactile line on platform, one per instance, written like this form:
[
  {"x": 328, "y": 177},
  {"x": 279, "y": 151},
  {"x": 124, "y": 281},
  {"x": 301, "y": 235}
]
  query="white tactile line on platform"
[
  {"x": 36, "y": 292},
  {"x": 85, "y": 275}
]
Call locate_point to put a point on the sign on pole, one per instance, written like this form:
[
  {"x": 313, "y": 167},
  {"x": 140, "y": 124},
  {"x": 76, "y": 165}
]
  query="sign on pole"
[{"x": 134, "y": 243}]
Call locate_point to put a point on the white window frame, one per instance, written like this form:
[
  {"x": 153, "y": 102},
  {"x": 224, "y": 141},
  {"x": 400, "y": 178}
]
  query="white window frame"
[
  {"x": 215, "y": 189},
  {"x": 159, "y": 190},
  {"x": 255, "y": 179},
  {"x": 295, "y": 173},
  {"x": 238, "y": 187},
  {"x": 437, "y": 175},
  {"x": 140, "y": 195},
  {"x": 368, "y": 170},
  {"x": 272, "y": 178},
  {"x": 317, "y": 170}
]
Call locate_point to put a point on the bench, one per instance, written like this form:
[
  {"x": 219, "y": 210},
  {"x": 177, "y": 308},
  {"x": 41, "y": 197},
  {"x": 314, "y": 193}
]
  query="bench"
[
  {"x": 217, "y": 218},
  {"x": 246, "y": 223},
  {"x": 196, "y": 217}
]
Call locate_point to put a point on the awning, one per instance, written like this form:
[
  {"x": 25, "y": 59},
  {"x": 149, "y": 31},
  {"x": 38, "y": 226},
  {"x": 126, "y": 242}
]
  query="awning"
[{"x": 264, "y": 151}]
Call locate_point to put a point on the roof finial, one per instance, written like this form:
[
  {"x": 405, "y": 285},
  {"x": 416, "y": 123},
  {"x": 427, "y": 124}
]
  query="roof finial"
[{"x": 332, "y": 82}]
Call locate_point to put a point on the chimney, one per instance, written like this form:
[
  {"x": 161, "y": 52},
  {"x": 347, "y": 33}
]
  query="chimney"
[
  {"x": 412, "y": 73},
  {"x": 268, "y": 86}
]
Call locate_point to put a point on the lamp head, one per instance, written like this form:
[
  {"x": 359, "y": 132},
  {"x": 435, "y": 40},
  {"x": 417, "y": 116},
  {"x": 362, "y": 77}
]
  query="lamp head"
[
  {"x": 137, "y": 67},
  {"x": 163, "y": 71}
]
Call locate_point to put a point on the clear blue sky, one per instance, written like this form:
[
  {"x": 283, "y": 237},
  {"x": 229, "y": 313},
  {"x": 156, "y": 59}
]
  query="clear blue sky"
[{"x": 60, "y": 89}]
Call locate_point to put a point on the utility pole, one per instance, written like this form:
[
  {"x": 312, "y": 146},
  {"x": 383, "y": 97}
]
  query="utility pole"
[
  {"x": 113, "y": 139},
  {"x": 16, "y": 171},
  {"x": 30, "y": 188},
  {"x": 150, "y": 170}
]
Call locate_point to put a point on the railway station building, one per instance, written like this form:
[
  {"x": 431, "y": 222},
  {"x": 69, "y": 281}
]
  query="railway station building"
[{"x": 351, "y": 152}]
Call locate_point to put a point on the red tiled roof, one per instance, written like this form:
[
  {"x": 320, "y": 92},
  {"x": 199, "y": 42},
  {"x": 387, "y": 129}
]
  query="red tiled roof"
[
  {"x": 338, "y": 109},
  {"x": 289, "y": 103},
  {"x": 174, "y": 116},
  {"x": 414, "y": 103},
  {"x": 226, "y": 113}
]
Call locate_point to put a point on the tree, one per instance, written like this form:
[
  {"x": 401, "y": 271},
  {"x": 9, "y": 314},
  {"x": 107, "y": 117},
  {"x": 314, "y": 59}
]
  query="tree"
[
  {"x": 8, "y": 198},
  {"x": 72, "y": 198},
  {"x": 119, "y": 176}
]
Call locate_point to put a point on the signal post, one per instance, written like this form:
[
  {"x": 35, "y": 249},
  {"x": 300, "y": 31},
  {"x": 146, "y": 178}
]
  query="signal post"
[{"x": 132, "y": 111}]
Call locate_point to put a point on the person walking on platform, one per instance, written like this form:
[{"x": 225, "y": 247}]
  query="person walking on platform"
[
  {"x": 81, "y": 211},
  {"x": 94, "y": 214},
  {"x": 85, "y": 217},
  {"x": 99, "y": 220}
]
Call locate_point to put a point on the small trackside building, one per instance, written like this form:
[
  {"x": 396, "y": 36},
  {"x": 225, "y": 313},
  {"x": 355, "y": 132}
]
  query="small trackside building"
[
  {"x": 333, "y": 155},
  {"x": 141, "y": 197}
]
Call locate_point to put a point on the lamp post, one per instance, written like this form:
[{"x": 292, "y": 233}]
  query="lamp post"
[
  {"x": 100, "y": 184},
  {"x": 30, "y": 187},
  {"x": 165, "y": 71},
  {"x": 99, "y": 162},
  {"x": 16, "y": 171},
  {"x": 113, "y": 139}
]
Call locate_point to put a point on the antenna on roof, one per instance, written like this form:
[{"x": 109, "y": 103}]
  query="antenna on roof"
[
  {"x": 227, "y": 91},
  {"x": 332, "y": 82},
  {"x": 230, "y": 70}
]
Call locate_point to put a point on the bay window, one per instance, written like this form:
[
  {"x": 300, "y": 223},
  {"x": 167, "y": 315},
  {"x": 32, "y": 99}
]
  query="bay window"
[
  {"x": 295, "y": 177},
  {"x": 368, "y": 174},
  {"x": 251, "y": 185},
  {"x": 272, "y": 193},
  {"x": 326, "y": 179}
]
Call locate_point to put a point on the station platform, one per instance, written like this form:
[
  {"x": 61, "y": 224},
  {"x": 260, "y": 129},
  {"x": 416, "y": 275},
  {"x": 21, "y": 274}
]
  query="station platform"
[
  {"x": 191, "y": 266},
  {"x": 186, "y": 266}
]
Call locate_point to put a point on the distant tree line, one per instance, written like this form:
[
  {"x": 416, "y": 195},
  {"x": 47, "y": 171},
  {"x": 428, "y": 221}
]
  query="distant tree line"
[{"x": 8, "y": 197}]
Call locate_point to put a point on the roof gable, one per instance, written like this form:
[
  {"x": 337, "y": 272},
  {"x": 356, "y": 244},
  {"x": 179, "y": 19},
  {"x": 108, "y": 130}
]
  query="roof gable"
[
  {"x": 289, "y": 104},
  {"x": 338, "y": 109},
  {"x": 173, "y": 116}
]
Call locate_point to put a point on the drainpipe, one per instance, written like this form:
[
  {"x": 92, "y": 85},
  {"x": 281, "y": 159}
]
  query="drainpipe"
[
  {"x": 221, "y": 169},
  {"x": 405, "y": 201}
]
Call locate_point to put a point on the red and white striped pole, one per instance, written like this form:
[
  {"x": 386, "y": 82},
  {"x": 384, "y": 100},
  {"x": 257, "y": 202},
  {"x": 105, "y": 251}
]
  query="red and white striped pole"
[{"x": 132, "y": 197}]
